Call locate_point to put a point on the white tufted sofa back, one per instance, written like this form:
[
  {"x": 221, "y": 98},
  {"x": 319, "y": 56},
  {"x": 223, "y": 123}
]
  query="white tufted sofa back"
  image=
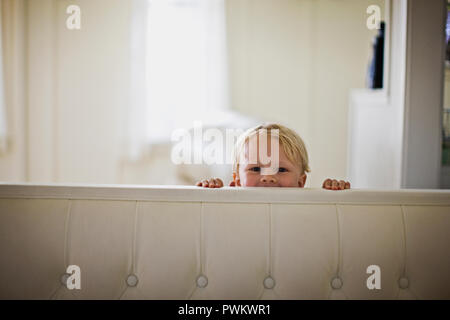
[{"x": 158, "y": 242}]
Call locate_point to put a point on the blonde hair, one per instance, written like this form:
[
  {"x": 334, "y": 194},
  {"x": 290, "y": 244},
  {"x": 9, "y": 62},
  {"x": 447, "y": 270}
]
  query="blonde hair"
[{"x": 292, "y": 144}]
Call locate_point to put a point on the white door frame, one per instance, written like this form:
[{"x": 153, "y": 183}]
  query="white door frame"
[{"x": 423, "y": 93}]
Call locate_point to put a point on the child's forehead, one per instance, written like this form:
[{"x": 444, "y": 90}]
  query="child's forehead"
[
  {"x": 253, "y": 144},
  {"x": 259, "y": 140},
  {"x": 263, "y": 138},
  {"x": 255, "y": 149}
]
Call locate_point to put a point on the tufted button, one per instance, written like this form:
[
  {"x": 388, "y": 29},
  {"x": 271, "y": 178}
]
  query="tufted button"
[
  {"x": 64, "y": 278},
  {"x": 336, "y": 283},
  {"x": 403, "y": 282},
  {"x": 269, "y": 282},
  {"x": 202, "y": 281},
  {"x": 132, "y": 280}
]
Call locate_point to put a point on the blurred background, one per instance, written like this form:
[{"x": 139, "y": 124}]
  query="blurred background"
[{"x": 99, "y": 104}]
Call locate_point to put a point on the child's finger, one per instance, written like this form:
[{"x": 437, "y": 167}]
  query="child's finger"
[
  {"x": 232, "y": 184},
  {"x": 341, "y": 184},
  {"x": 334, "y": 184},
  {"x": 347, "y": 185},
  {"x": 199, "y": 184},
  {"x": 211, "y": 183},
  {"x": 327, "y": 184},
  {"x": 205, "y": 183},
  {"x": 219, "y": 183}
]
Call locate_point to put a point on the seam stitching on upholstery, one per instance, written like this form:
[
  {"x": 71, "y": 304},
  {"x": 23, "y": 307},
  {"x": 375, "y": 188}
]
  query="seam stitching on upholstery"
[
  {"x": 66, "y": 232},
  {"x": 270, "y": 260},
  {"x": 339, "y": 264},
  {"x": 338, "y": 270},
  {"x": 270, "y": 241},
  {"x": 404, "y": 249},
  {"x": 133, "y": 249},
  {"x": 52, "y": 296},
  {"x": 192, "y": 293},
  {"x": 200, "y": 249},
  {"x": 123, "y": 292},
  {"x": 201, "y": 238},
  {"x": 404, "y": 240}
]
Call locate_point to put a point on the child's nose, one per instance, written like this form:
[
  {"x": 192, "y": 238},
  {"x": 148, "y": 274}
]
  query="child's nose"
[{"x": 268, "y": 179}]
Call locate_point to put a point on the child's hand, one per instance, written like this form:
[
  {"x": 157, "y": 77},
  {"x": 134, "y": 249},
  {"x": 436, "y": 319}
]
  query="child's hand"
[
  {"x": 211, "y": 183},
  {"x": 335, "y": 185}
]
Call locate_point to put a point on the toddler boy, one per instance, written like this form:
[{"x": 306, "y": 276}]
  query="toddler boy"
[{"x": 270, "y": 155}]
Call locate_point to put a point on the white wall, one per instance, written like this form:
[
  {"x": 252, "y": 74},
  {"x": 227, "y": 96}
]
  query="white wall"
[
  {"x": 295, "y": 62},
  {"x": 376, "y": 118},
  {"x": 13, "y": 163},
  {"x": 291, "y": 61},
  {"x": 397, "y": 142},
  {"x": 78, "y": 89},
  {"x": 41, "y": 86},
  {"x": 422, "y": 143},
  {"x": 93, "y": 79}
]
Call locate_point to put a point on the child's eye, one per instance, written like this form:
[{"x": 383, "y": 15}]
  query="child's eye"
[
  {"x": 282, "y": 170},
  {"x": 255, "y": 169}
]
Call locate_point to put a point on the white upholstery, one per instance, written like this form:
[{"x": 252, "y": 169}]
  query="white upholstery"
[{"x": 159, "y": 242}]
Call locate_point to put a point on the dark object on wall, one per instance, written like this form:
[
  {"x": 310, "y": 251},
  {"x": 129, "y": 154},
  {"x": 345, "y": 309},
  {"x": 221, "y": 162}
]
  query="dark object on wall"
[
  {"x": 447, "y": 51},
  {"x": 375, "y": 72},
  {"x": 447, "y": 33},
  {"x": 446, "y": 137}
]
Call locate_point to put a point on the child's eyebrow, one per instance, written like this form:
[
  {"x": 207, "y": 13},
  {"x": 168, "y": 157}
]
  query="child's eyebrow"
[{"x": 281, "y": 163}]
